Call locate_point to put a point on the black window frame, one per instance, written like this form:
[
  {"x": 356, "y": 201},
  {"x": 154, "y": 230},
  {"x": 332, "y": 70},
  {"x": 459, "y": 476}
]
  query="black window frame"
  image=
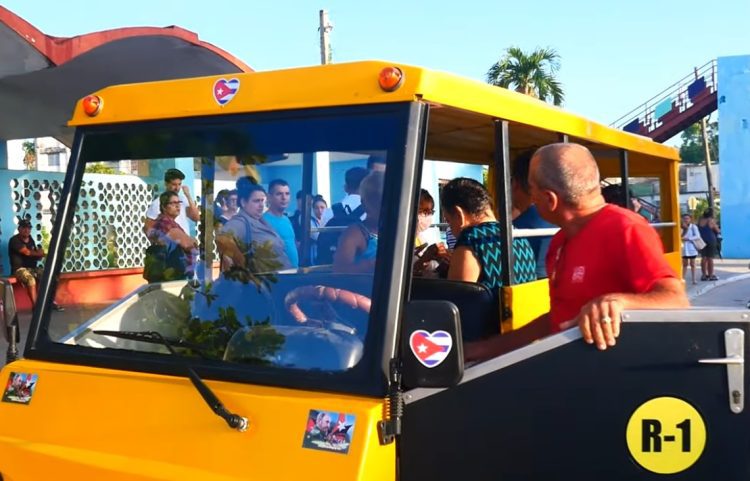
[{"x": 368, "y": 377}]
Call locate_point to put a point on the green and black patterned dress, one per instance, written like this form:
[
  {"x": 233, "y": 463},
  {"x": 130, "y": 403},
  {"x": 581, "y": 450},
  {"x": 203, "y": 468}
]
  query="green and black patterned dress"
[{"x": 484, "y": 241}]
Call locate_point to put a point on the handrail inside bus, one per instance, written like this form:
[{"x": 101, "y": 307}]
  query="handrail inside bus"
[{"x": 553, "y": 230}]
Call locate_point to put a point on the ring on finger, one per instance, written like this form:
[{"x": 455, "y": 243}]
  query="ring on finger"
[{"x": 606, "y": 320}]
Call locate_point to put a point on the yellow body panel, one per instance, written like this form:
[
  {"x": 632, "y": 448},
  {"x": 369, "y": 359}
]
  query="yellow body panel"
[
  {"x": 525, "y": 303},
  {"x": 116, "y": 425},
  {"x": 353, "y": 83}
]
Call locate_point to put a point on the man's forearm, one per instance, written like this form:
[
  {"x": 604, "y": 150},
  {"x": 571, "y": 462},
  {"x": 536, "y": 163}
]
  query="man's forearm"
[{"x": 660, "y": 297}]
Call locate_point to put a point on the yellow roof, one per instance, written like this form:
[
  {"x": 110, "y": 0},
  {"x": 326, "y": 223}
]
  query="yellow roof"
[{"x": 353, "y": 83}]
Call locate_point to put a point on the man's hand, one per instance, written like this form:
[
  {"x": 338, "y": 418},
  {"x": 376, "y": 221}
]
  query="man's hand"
[
  {"x": 192, "y": 211},
  {"x": 599, "y": 321}
]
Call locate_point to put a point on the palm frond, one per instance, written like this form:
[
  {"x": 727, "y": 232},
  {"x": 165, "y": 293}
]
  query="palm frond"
[{"x": 532, "y": 74}]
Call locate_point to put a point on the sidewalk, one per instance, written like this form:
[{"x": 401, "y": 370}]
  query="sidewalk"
[{"x": 727, "y": 270}]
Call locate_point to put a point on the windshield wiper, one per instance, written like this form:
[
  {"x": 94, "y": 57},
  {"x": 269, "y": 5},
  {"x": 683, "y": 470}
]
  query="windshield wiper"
[
  {"x": 155, "y": 338},
  {"x": 234, "y": 421}
]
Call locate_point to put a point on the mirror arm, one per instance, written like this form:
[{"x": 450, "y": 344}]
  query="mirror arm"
[
  {"x": 12, "y": 352},
  {"x": 390, "y": 427}
]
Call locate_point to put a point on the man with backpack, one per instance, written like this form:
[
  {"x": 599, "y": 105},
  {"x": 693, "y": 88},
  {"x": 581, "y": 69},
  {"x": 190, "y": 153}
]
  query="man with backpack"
[{"x": 346, "y": 212}]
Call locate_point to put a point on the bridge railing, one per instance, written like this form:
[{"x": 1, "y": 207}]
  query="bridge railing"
[{"x": 670, "y": 102}]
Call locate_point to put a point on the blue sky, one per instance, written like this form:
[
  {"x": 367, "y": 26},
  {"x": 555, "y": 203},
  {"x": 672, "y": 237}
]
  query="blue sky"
[{"x": 615, "y": 55}]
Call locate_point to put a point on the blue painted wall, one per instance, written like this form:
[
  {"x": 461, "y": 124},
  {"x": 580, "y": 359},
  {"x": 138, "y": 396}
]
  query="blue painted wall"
[{"x": 734, "y": 152}]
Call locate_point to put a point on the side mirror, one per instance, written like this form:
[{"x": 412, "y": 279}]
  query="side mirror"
[
  {"x": 8, "y": 306},
  {"x": 432, "y": 352},
  {"x": 10, "y": 320}
]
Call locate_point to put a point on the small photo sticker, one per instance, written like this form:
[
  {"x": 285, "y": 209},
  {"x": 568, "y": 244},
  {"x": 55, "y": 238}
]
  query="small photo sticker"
[
  {"x": 20, "y": 388},
  {"x": 329, "y": 431}
]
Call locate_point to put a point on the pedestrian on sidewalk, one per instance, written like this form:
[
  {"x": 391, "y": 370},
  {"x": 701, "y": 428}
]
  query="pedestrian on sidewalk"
[
  {"x": 709, "y": 232},
  {"x": 690, "y": 235}
]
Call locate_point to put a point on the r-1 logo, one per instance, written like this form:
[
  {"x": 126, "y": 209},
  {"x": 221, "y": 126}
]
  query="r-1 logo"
[
  {"x": 666, "y": 435},
  {"x": 651, "y": 430}
]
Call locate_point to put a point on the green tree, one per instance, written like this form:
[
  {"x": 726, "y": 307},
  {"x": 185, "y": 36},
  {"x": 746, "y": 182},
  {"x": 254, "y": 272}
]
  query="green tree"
[
  {"x": 533, "y": 74},
  {"x": 692, "y": 150},
  {"x": 29, "y": 154},
  {"x": 100, "y": 168}
]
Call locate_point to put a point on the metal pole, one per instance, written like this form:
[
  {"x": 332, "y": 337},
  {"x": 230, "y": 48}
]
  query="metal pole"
[
  {"x": 624, "y": 177},
  {"x": 325, "y": 45},
  {"x": 504, "y": 203},
  {"x": 709, "y": 174}
]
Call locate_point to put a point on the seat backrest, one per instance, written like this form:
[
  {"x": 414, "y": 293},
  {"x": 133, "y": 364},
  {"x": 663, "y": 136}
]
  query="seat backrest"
[{"x": 477, "y": 304}]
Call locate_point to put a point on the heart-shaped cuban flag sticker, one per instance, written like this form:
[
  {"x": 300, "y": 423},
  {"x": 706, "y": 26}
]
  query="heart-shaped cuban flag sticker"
[
  {"x": 225, "y": 90},
  {"x": 430, "y": 348}
]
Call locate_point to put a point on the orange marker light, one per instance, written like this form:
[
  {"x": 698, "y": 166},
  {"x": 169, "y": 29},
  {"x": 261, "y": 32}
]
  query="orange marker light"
[
  {"x": 390, "y": 78},
  {"x": 92, "y": 105}
]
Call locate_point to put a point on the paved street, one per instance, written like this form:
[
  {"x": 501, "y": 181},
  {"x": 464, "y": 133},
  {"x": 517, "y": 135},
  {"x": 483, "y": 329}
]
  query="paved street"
[
  {"x": 729, "y": 272},
  {"x": 735, "y": 295}
]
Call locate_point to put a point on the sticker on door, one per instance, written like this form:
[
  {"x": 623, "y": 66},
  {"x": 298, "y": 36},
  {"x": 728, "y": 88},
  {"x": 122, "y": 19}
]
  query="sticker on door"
[{"x": 666, "y": 435}]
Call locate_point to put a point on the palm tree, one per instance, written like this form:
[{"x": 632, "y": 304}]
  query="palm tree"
[
  {"x": 532, "y": 74},
  {"x": 29, "y": 154}
]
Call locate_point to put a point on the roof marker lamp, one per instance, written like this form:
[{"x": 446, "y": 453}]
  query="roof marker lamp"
[
  {"x": 390, "y": 78},
  {"x": 92, "y": 105}
]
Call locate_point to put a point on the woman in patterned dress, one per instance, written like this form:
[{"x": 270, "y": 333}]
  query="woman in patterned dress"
[{"x": 467, "y": 207}]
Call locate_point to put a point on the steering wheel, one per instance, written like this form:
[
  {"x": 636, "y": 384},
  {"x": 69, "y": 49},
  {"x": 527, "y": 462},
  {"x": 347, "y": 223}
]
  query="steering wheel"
[{"x": 328, "y": 295}]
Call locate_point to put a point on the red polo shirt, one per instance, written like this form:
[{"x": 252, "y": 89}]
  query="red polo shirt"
[{"x": 615, "y": 251}]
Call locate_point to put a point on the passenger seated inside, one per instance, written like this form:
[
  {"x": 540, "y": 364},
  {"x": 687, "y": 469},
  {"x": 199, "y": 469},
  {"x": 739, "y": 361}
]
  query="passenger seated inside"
[
  {"x": 431, "y": 257},
  {"x": 358, "y": 244},
  {"x": 467, "y": 207},
  {"x": 247, "y": 241}
]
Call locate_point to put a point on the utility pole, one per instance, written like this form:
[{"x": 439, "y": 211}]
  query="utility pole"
[
  {"x": 325, "y": 44},
  {"x": 709, "y": 175},
  {"x": 707, "y": 150}
]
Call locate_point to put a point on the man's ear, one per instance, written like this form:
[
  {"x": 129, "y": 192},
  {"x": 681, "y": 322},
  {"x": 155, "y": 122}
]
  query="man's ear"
[{"x": 552, "y": 200}]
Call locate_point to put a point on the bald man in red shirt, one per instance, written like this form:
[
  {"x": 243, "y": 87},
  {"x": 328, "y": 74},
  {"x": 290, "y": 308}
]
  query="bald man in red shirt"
[{"x": 604, "y": 259}]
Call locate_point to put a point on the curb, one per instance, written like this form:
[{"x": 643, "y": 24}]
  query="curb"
[{"x": 705, "y": 288}]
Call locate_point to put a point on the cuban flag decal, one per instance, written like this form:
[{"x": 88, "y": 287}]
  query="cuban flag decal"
[
  {"x": 431, "y": 349},
  {"x": 225, "y": 90}
]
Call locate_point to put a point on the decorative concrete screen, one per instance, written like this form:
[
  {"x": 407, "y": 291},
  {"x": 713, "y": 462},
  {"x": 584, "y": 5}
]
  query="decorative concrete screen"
[{"x": 107, "y": 230}]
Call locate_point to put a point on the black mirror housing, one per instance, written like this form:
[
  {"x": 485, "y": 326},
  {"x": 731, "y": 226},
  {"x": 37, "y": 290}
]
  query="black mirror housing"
[
  {"x": 8, "y": 306},
  {"x": 431, "y": 348}
]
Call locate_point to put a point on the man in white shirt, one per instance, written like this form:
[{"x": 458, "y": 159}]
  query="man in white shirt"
[
  {"x": 351, "y": 201},
  {"x": 188, "y": 208}
]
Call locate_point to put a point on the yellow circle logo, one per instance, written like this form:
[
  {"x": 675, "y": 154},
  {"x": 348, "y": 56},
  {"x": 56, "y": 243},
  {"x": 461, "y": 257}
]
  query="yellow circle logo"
[{"x": 666, "y": 435}]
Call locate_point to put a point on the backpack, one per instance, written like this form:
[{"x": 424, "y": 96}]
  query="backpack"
[
  {"x": 164, "y": 263},
  {"x": 328, "y": 241}
]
